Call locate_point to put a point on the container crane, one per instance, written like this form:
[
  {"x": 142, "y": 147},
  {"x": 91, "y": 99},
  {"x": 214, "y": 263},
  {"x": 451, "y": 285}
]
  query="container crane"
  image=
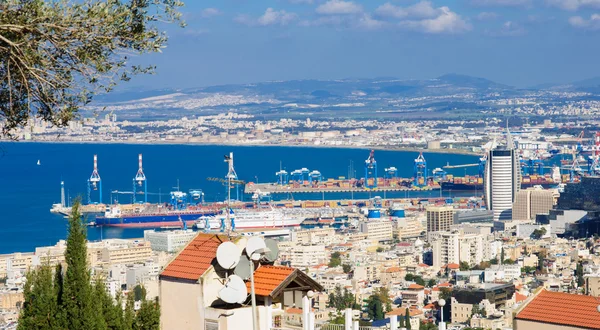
[
  {"x": 94, "y": 183},
  {"x": 282, "y": 177},
  {"x": 315, "y": 176},
  {"x": 420, "y": 172},
  {"x": 140, "y": 180},
  {"x": 371, "y": 171}
]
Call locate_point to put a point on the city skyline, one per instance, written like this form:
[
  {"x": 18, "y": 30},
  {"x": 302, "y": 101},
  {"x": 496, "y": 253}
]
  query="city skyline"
[{"x": 515, "y": 42}]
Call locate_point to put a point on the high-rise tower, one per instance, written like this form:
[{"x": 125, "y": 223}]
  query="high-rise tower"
[{"x": 502, "y": 179}]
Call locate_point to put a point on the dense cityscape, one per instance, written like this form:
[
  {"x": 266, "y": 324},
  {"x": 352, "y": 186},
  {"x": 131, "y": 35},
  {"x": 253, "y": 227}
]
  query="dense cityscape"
[{"x": 428, "y": 200}]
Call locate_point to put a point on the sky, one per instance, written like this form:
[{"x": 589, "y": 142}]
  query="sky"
[{"x": 516, "y": 42}]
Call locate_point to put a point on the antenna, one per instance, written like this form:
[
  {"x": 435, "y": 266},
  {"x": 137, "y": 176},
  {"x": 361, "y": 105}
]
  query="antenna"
[{"x": 228, "y": 255}]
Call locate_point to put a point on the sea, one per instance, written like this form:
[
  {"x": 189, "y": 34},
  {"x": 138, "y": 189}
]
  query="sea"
[{"x": 28, "y": 190}]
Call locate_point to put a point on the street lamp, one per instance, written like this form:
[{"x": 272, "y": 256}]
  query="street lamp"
[{"x": 442, "y": 303}]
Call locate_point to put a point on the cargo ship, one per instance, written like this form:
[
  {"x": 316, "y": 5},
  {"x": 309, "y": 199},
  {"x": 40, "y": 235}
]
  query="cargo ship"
[
  {"x": 476, "y": 183},
  {"x": 152, "y": 218},
  {"x": 265, "y": 217}
]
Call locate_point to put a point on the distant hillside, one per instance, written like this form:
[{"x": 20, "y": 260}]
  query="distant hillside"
[{"x": 473, "y": 82}]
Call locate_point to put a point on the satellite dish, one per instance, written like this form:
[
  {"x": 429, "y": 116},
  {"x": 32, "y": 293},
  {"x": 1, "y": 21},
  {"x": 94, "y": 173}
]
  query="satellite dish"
[
  {"x": 255, "y": 243},
  {"x": 273, "y": 252},
  {"x": 228, "y": 255},
  {"x": 237, "y": 284},
  {"x": 243, "y": 268}
]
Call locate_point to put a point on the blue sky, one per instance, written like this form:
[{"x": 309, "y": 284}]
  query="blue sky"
[{"x": 516, "y": 42}]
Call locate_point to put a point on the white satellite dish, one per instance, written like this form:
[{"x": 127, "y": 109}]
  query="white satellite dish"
[
  {"x": 234, "y": 291},
  {"x": 255, "y": 243},
  {"x": 243, "y": 268},
  {"x": 273, "y": 252},
  {"x": 237, "y": 283},
  {"x": 228, "y": 255}
]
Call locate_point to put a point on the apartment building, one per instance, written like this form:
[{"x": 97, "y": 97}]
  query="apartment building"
[
  {"x": 530, "y": 202},
  {"x": 454, "y": 247},
  {"x": 377, "y": 230},
  {"x": 439, "y": 218},
  {"x": 324, "y": 236},
  {"x": 168, "y": 241}
]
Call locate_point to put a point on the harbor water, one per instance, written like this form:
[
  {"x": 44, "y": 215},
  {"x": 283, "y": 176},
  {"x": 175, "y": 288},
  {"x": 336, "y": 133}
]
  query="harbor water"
[{"x": 28, "y": 190}]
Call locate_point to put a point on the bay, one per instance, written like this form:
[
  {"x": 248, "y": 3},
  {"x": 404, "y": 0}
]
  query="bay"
[{"x": 28, "y": 190}]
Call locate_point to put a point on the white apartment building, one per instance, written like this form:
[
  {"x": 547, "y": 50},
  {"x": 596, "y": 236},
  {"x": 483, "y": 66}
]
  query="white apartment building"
[
  {"x": 409, "y": 228},
  {"x": 307, "y": 255},
  {"x": 324, "y": 236},
  {"x": 331, "y": 280},
  {"x": 377, "y": 230},
  {"x": 502, "y": 273},
  {"x": 168, "y": 241},
  {"x": 454, "y": 247}
]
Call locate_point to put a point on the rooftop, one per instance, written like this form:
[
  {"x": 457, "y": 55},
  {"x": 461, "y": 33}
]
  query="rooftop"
[
  {"x": 564, "y": 309},
  {"x": 195, "y": 258}
]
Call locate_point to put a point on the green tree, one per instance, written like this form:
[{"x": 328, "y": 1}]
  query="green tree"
[
  {"x": 409, "y": 277},
  {"x": 464, "y": 266},
  {"x": 401, "y": 321},
  {"x": 419, "y": 280},
  {"x": 538, "y": 233},
  {"x": 494, "y": 261},
  {"x": 379, "y": 249},
  {"x": 40, "y": 304},
  {"x": 346, "y": 268},
  {"x": 375, "y": 308},
  {"x": 58, "y": 54},
  {"x": 407, "y": 319},
  {"x": 508, "y": 262},
  {"x": 431, "y": 283},
  {"x": 77, "y": 299},
  {"x": 335, "y": 260},
  {"x": 148, "y": 317},
  {"x": 502, "y": 255},
  {"x": 129, "y": 313},
  {"x": 579, "y": 274}
]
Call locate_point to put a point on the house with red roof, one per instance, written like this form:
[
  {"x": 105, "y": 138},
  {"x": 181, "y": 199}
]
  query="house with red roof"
[
  {"x": 189, "y": 289},
  {"x": 558, "y": 311}
]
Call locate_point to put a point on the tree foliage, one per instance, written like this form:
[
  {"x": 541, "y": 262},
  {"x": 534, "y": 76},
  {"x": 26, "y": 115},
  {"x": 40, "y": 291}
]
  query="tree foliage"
[
  {"x": 579, "y": 274},
  {"x": 538, "y": 233},
  {"x": 375, "y": 308},
  {"x": 335, "y": 260},
  {"x": 341, "y": 300},
  {"x": 57, "y": 54},
  {"x": 59, "y": 299}
]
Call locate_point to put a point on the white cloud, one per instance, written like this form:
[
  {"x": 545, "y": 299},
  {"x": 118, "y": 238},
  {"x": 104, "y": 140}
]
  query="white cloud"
[
  {"x": 338, "y": 7},
  {"x": 446, "y": 22},
  {"x": 270, "y": 17},
  {"x": 369, "y": 23},
  {"x": 589, "y": 24},
  {"x": 422, "y": 9},
  {"x": 573, "y": 5},
  {"x": 308, "y": 2},
  {"x": 503, "y": 3},
  {"x": 486, "y": 16},
  {"x": 210, "y": 12}
]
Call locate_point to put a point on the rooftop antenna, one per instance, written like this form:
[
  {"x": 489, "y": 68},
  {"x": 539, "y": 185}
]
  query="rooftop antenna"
[{"x": 231, "y": 175}]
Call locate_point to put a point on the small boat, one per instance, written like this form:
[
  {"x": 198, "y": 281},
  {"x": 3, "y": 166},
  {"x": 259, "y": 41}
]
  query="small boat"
[{"x": 38, "y": 162}]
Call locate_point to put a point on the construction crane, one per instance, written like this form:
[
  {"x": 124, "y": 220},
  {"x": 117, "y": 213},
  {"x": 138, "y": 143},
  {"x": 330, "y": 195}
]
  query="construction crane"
[
  {"x": 480, "y": 165},
  {"x": 94, "y": 183},
  {"x": 579, "y": 141},
  {"x": 139, "y": 180},
  {"x": 371, "y": 171}
]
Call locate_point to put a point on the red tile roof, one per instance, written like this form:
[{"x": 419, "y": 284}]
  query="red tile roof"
[
  {"x": 269, "y": 278},
  {"x": 415, "y": 286},
  {"x": 564, "y": 309},
  {"x": 520, "y": 297},
  {"x": 402, "y": 311},
  {"x": 452, "y": 266},
  {"x": 195, "y": 258}
]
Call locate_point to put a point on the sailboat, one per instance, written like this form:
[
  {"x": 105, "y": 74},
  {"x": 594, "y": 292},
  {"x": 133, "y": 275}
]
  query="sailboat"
[{"x": 38, "y": 162}]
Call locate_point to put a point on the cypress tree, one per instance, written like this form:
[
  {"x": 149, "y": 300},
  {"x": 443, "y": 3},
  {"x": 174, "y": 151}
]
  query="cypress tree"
[
  {"x": 77, "y": 299},
  {"x": 401, "y": 321},
  {"x": 58, "y": 291},
  {"x": 39, "y": 308},
  {"x": 407, "y": 319},
  {"x": 148, "y": 317},
  {"x": 129, "y": 314}
]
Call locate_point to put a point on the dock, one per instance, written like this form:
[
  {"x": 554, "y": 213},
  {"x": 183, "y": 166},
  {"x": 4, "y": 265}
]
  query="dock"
[{"x": 274, "y": 188}]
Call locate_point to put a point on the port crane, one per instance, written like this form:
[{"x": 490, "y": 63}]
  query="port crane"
[
  {"x": 94, "y": 183},
  {"x": 371, "y": 171},
  {"x": 420, "y": 172},
  {"x": 140, "y": 180}
]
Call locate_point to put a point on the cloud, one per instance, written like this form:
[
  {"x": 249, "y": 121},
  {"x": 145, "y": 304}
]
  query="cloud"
[
  {"x": 423, "y": 9},
  {"x": 338, "y": 7},
  {"x": 369, "y": 23},
  {"x": 447, "y": 22},
  {"x": 210, "y": 12},
  {"x": 573, "y": 5},
  {"x": 486, "y": 16},
  {"x": 502, "y": 3},
  {"x": 195, "y": 32},
  {"x": 308, "y": 2},
  {"x": 270, "y": 17},
  {"x": 588, "y": 24}
]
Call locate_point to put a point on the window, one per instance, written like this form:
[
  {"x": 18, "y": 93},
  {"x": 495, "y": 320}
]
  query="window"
[{"x": 211, "y": 325}]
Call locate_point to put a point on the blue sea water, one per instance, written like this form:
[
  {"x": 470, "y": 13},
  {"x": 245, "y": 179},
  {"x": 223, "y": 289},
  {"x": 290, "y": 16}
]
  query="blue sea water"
[{"x": 27, "y": 190}]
